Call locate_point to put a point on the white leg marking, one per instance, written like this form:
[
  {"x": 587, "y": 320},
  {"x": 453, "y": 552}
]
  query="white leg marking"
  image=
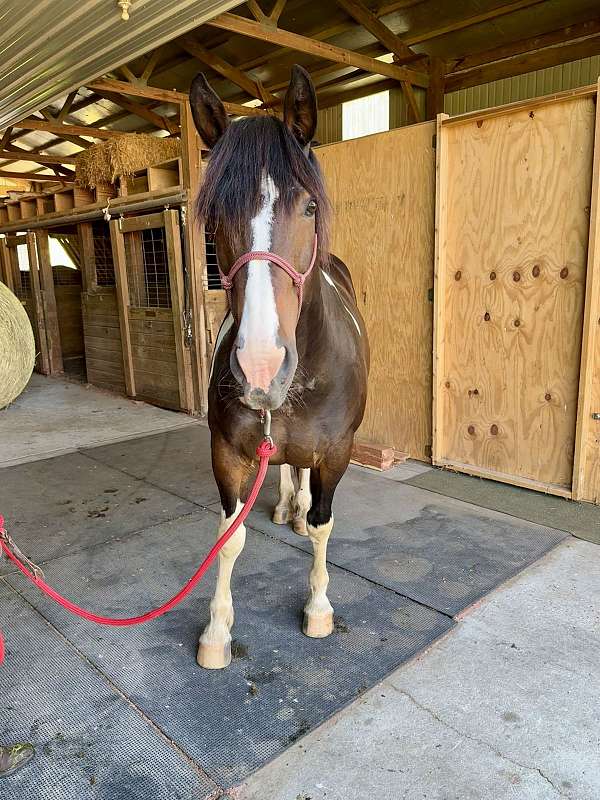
[
  {"x": 214, "y": 651},
  {"x": 329, "y": 280},
  {"x": 302, "y": 503},
  {"x": 260, "y": 322},
  {"x": 283, "y": 510},
  {"x": 318, "y": 613}
]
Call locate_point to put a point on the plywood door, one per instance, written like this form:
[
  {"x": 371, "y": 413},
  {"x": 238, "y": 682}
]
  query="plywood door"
[
  {"x": 514, "y": 199},
  {"x": 382, "y": 191}
]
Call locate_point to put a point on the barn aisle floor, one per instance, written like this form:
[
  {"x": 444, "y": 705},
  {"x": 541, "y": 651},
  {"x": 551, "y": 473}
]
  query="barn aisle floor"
[
  {"x": 123, "y": 714},
  {"x": 55, "y": 416}
]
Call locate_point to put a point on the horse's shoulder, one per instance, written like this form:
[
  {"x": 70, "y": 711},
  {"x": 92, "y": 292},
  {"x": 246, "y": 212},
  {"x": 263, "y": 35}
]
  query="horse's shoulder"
[{"x": 340, "y": 275}]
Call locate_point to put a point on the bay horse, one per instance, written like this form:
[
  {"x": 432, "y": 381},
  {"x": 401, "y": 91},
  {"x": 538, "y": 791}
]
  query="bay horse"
[{"x": 293, "y": 342}]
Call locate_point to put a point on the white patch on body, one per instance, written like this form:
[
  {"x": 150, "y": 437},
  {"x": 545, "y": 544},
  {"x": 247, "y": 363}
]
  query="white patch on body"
[
  {"x": 329, "y": 280},
  {"x": 260, "y": 321},
  {"x": 223, "y": 331}
]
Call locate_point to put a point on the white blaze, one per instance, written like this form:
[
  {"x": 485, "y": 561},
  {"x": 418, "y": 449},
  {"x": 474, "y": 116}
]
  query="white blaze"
[{"x": 259, "y": 317}]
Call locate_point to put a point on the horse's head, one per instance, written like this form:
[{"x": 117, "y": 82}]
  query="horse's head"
[{"x": 263, "y": 194}]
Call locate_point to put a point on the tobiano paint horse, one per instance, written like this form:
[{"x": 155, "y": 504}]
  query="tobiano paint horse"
[{"x": 293, "y": 342}]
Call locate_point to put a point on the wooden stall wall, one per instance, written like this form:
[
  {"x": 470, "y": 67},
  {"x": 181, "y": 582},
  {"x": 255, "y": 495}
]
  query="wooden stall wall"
[
  {"x": 102, "y": 334},
  {"x": 513, "y": 194},
  {"x": 382, "y": 191}
]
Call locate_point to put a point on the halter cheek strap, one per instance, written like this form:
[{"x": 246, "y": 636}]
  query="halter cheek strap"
[{"x": 298, "y": 278}]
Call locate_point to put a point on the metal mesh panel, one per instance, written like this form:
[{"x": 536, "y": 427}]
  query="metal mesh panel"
[
  {"x": 66, "y": 276},
  {"x": 213, "y": 279},
  {"x": 103, "y": 259},
  {"x": 148, "y": 269},
  {"x": 23, "y": 288}
]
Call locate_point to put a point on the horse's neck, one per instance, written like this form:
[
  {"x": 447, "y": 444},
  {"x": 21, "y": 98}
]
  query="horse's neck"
[{"x": 315, "y": 321}]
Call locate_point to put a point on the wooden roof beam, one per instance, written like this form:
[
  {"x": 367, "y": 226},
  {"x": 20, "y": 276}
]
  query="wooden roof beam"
[
  {"x": 141, "y": 111},
  {"x": 234, "y": 74},
  {"x": 32, "y": 124},
  {"x": 523, "y": 63},
  {"x": 26, "y": 155},
  {"x": 359, "y": 12},
  {"x": 163, "y": 95},
  {"x": 34, "y": 177},
  {"x": 330, "y": 52}
]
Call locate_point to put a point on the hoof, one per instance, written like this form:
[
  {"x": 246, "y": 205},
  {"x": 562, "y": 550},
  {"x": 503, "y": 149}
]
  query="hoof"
[
  {"x": 214, "y": 656},
  {"x": 281, "y": 516},
  {"x": 318, "y": 626},
  {"x": 300, "y": 526}
]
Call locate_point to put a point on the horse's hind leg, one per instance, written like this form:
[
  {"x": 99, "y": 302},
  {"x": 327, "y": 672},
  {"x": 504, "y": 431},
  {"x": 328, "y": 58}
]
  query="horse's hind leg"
[
  {"x": 302, "y": 502},
  {"x": 283, "y": 511},
  {"x": 318, "y": 612},
  {"x": 214, "y": 651}
]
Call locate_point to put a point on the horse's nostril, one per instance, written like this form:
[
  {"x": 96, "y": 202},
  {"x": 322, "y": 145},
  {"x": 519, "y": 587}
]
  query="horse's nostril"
[{"x": 260, "y": 365}]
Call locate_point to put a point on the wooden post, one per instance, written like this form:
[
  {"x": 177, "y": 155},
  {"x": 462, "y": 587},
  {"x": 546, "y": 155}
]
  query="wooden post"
[
  {"x": 590, "y": 339},
  {"x": 439, "y": 294},
  {"x": 191, "y": 146},
  {"x": 122, "y": 294},
  {"x": 6, "y": 272},
  {"x": 55, "y": 360},
  {"x": 182, "y": 353},
  {"x": 436, "y": 88},
  {"x": 38, "y": 306},
  {"x": 88, "y": 259}
]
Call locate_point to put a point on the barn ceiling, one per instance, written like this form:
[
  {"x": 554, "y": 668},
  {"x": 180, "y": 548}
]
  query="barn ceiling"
[{"x": 49, "y": 47}]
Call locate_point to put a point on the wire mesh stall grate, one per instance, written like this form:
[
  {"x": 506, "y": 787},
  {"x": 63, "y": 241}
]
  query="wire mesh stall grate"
[
  {"x": 148, "y": 269},
  {"x": 213, "y": 279},
  {"x": 103, "y": 257}
]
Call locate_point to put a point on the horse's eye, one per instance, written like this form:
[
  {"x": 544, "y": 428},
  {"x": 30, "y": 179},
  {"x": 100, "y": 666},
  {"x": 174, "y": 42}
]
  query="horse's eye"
[{"x": 310, "y": 209}]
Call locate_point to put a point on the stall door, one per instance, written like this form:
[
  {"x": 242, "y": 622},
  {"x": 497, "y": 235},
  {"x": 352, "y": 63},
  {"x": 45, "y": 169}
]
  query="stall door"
[
  {"x": 513, "y": 200},
  {"x": 22, "y": 276},
  {"x": 150, "y": 289}
]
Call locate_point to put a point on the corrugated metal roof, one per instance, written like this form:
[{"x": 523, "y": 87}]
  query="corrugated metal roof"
[{"x": 50, "y": 47}]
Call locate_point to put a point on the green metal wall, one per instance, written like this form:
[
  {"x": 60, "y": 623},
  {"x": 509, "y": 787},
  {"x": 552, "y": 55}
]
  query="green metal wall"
[{"x": 523, "y": 87}]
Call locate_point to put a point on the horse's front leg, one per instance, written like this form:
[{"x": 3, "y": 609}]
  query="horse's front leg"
[
  {"x": 318, "y": 612},
  {"x": 231, "y": 473}
]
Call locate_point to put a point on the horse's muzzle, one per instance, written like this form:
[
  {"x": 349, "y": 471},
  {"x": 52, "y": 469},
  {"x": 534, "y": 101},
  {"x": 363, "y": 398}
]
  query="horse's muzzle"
[{"x": 265, "y": 378}]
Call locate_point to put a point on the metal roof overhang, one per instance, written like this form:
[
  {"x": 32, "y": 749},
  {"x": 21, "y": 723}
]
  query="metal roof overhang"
[{"x": 51, "y": 47}]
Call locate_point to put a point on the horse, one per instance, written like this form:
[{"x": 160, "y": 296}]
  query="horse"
[{"x": 293, "y": 344}]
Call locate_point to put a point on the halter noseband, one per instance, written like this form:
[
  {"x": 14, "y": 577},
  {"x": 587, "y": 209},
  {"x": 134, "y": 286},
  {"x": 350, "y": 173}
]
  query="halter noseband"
[{"x": 298, "y": 278}]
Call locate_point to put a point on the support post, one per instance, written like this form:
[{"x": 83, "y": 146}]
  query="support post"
[
  {"x": 6, "y": 272},
  {"x": 182, "y": 353},
  {"x": 38, "y": 307},
  {"x": 88, "y": 260},
  {"x": 55, "y": 359},
  {"x": 122, "y": 294},
  {"x": 436, "y": 88}
]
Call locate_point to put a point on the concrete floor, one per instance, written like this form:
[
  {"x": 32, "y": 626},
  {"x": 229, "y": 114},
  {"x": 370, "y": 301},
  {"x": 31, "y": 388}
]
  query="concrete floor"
[
  {"x": 55, "y": 416},
  {"x": 505, "y": 707}
]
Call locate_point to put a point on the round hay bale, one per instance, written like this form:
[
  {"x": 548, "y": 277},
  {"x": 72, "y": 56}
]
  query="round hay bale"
[{"x": 17, "y": 347}]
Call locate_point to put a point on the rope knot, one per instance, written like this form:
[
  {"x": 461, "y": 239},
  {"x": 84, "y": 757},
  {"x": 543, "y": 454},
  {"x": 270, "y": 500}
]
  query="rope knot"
[{"x": 266, "y": 449}]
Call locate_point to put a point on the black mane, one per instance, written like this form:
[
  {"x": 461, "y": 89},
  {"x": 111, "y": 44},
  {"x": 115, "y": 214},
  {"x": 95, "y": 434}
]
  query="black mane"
[{"x": 230, "y": 193}]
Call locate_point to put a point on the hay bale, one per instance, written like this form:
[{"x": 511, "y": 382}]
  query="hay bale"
[
  {"x": 106, "y": 161},
  {"x": 17, "y": 347}
]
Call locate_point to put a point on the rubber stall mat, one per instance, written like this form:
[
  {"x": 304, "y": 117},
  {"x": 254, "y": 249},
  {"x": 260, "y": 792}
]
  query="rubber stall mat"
[
  {"x": 280, "y": 684},
  {"x": 435, "y": 550},
  {"x": 90, "y": 743},
  {"x": 177, "y": 461},
  {"x": 63, "y": 504},
  {"x": 580, "y": 519}
]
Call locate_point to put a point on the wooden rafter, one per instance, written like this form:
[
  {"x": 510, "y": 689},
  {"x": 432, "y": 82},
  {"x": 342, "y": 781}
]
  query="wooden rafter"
[
  {"x": 525, "y": 62},
  {"x": 66, "y": 108},
  {"x": 160, "y": 122},
  {"x": 33, "y": 177},
  {"x": 5, "y": 138},
  {"x": 25, "y": 155},
  {"x": 571, "y": 33},
  {"x": 234, "y": 74},
  {"x": 32, "y": 124},
  {"x": 150, "y": 66},
  {"x": 303, "y": 44},
  {"x": 359, "y": 12},
  {"x": 163, "y": 95}
]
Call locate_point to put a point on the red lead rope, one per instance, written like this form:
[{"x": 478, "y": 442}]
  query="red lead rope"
[{"x": 264, "y": 451}]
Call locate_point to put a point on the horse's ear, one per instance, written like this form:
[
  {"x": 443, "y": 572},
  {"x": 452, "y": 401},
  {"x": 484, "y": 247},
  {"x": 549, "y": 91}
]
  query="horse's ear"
[
  {"x": 300, "y": 106},
  {"x": 208, "y": 111}
]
